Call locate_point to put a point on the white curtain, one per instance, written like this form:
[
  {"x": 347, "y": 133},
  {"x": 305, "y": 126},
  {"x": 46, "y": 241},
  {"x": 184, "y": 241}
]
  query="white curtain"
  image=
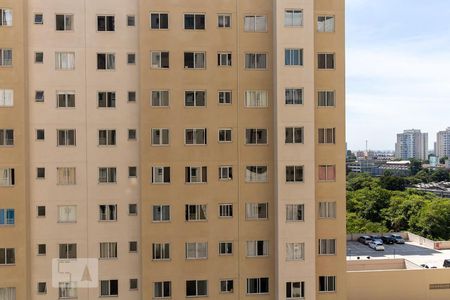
[
  {"x": 6, "y": 97},
  {"x": 329, "y": 24},
  {"x": 67, "y": 213},
  {"x": 251, "y": 248},
  {"x": 249, "y": 23},
  {"x": 8, "y": 293},
  {"x": 260, "y": 23}
]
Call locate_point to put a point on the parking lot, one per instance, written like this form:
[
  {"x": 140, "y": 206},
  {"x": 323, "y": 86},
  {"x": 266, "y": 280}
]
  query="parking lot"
[{"x": 410, "y": 251}]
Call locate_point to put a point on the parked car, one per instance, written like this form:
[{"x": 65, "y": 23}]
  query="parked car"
[
  {"x": 446, "y": 263},
  {"x": 398, "y": 239},
  {"x": 376, "y": 245},
  {"x": 388, "y": 239},
  {"x": 377, "y": 238},
  {"x": 364, "y": 239}
]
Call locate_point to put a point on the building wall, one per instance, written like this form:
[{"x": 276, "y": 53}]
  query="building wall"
[
  {"x": 87, "y": 156},
  {"x": 15, "y": 236}
]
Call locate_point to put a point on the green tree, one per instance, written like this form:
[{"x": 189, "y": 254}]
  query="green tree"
[
  {"x": 434, "y": 220},
  {"x": 369, "y": 203},
  {"x": 356, "y": 224},
  {"x": 423, "y": 176},
  {"x": 415, "y": 167},
  {"x": 440, "y": 175},
  {"x": 443, "y": 159},
  {"x": 393, "y": 183},
  {"x": 357, "y": 181}
]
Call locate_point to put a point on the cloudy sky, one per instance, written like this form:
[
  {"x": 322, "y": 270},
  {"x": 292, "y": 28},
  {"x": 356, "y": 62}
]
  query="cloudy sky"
[{"x": 398, "y": 70}]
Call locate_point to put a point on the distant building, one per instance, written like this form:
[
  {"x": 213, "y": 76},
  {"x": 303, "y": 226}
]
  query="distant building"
[
  {"x": 443, "y": 143},
  {"x": 412, "y": 143},
  {"x": 397, "y": 168}
]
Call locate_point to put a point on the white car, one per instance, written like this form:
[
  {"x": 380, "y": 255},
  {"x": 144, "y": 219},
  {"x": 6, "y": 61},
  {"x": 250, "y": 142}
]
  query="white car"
[{"x": 376, "y": 245}]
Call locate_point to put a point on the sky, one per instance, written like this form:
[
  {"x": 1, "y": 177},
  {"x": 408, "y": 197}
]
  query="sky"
[{"x": 398, "y": 70}]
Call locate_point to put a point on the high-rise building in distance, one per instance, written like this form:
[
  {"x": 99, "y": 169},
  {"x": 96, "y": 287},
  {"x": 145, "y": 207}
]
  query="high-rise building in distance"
[
  {"x": 412, "y": 143},
  {"x": 443, "y": 143}
]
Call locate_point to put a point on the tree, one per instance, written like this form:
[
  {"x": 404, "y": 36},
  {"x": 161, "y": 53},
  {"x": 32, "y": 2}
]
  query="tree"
[
  {"x": 423, "y": 176},
  {"x": 368, "y": 203},
  {"x": 443, "y": 159},
  {"x": 415, "y": 166},
  {"x": 440, "y": 175},
  {"x": 357, "y": 181},
  {"x": 356, "y": 224},
  {"x": 434, "y": 220},
  {"x": 393, "y": 183}
]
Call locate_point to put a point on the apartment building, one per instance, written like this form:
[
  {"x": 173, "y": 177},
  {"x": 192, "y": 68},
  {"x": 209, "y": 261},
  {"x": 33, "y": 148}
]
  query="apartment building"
[
  {"x": 412, "y": 143},
  {"x": 195, "y": 149},
  {"x": 442, "y": 146}
]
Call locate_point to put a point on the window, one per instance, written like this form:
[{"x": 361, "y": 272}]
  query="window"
[
  {"x": 295, "y": 290},
  {"x": 160, "y": 174},
  {"x": 293, "y": 96},
  {"x": 326, "y": 98},
  {"x": 293, "y": 18},
  {"x": 256, "y": 211},
  {"x": 132, "y": 172},
  {"x": 293, "y": 57},
  {"x": 65, "y": 60},
  {"x": 7, "y": 177},
  {"x": 66, "y": 137},
  {"x": 294, "y": 173},
  {"x": 256, "y": 136},
  {"x": 107, "y": 175},
  {"x": 109, "y": 287},
  {"x": 196, "y": 175},
  {"x": 161, "y": 251},
  {"x": 39, "y": 57},
  {"x": 225, "y": 248},
  {"x": 295, "y": 212},
  {"x": 160, "y": 98},
  {"x": 160, "y": 136},
  {"x": 327, "y": 135},
  {"x": 256, "y": 173},
  {"x": 196, "y": 288},
  {"x": 67, "y": 214},
  {"x": 131, "y": 96},
  {"x": 7, "y": 216},
  {"x": 255, "y": 60},
  {"x": 258, "y": 285},
  {"x": 6, "y": 137},
  {"x": 5, "y": 57},
  {"x": 107, "y": 137},
  {"x": 42, "y": 249},
  {"x": 67, "y": 290},
  {"x": 41, "y": 211},
  {"x": 224, "y": 135},
  {"x": 133, "y": 284},
  {"x": 226, "y": 286},
  {"x": 327, "y": 172},
  {"x": 108, "y": 250},
  {"x": 6, "y": 98},
  {"x": 160, "y": 59},
  {"x": 255, "y": 23},
  {"x": 293, "y": 135},
  {"x": 194, "y": 60},
  {"x": 108, "y": 212},
  {"x": 39, "y": 96},
  {"x": 194, "y": 21},
  {"x": 132, "y": 246},
  {"x": 224, "y": 21},
  {"x": 64, "y": 22},
  {"x": 67, "y": 251},
  {"x": 327, "y": 246},
  {"x": 106, "y": 99},
  {"x": 224, "y": 59},
  {"x": 161, "y": 213},
  {"x": 38, "y": 19},
  {"x": 195, "y": 212},
  {"x": 40, "y": 173},
  {"x": 131, "y": 58},
  {"x": 295, "y": 251},
  {"x": 195, "y": 98},
  {"x": 327, "y": 283},
  {"x": 5, "y": 17},
  {"x": 325, "y": 23},
  {"x": 325, "y": 61},
  {"x": 327, "y": 210},
  {"x": 66, "y": 176},
  {"x": 105, "y": 23},
  {"x": 256, "y": 99},
  {"x": 106, "y": 61},
  {"x": 195, "y": 136},
  {"x": 225, "y": 173},
  {"x": 8, "y": 293},
  {"x": 196, "y": 250},
  {"x": 225, "y": 210},
  {"x": 162, "y": 289},
  {"x": 132, "y": 209},
  {"x": 41, "y": 288},
  {"x": 65, "y": 99},
  {"x": 132, "y": 135},
  {"x": 159, "y": 21},
  {"x": 131, "y": 21},
  {"x": 7, "y": 256},
  {"x": 225, "y": 97},
  {"x": 257, "y": 248}
]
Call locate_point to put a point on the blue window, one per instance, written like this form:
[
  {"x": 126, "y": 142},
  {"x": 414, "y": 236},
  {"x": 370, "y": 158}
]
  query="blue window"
[{"x": 7, "y": 216}]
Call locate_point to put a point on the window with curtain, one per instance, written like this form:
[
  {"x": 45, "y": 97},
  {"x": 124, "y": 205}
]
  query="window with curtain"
[
  {"x": 66, "y": 176},
  {"x": 161, "y": 213},
  {"x": 108, "y": 250},
  {"x": 161, "y": 251},
  {"x": 160, "y": 174},
  {"x": 326, "y": 98},
  {"x": 293, "y": 96},
  {"x": 327, "y": 172},
  {"x": 8, "y": 293},
  {"x": 255, "y": 60},
  {"x": 295, "y": 290},
  {"x": 256, "y": 211},
  {"x": 65, "y": 60},
  {"x": 67, "y": 290},
  {"x": 327, "y": 135},
  {"x": 197, "y": 250},
  {"x": 6, "y": 17},
  {"x": 255, "y": 23},
  {"x": 65, "y": 99},
  {"x": 162, "y": 289},
  {"x": 67, "y": 214},
  {"x": 295, "y": 212},
  {"x": 293, "y": 17},
  {"x": 6, "y": 98},
  {"x": 6, "y": 57},
  {"x": 295, "y": 251},
  {"x": 160, "y": 98},
  {"x": 6, "y": 137},
  {"x": 7, "y": 216},
  {"x": 195, "y": 212},
  {"x": 108, "y": 212},
  {"x": 327, "y": 209},
  {"x": 257, "y": 248},
  {"x": 325, "y": 23},
  {"x": 256, "y": 173},
  {"x": 327, "y": 246},
  {"x": 7, "y": 177},
  {"x": 256, "y": 99}
]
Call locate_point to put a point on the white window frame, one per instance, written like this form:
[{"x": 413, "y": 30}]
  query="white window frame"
[
  {"x": 199, "y": 60},
  {"x": 225, "y": 173},
  {"x": 295, "y": 251},
  {"x": 327, "y": 210},
  {"x": 256, "y": 61},
  {"x": 6, "y": 57},
  {"x": 327, "y": 246},
  {"x": 68, "y": 24},
  {"x": 65, "y": 61},
  {"x": 258, "y": 286},
  {"x": 225, "y": 135},
  {"x": 297, "y": 290},
  {"x": 259, "y": 175},
  {"x": 199, "y": 212},
  {"x": 198, "y": 249},
  {"x": 110, "y": 61},
  {"x": 162, "y": 288},
  {"x": 163, "y": 210},
  {"x": 66, "y": 176},
  {"x": 329, "y": 284},
  {"x": 6, "y": 98},
  {"x": 326, "y": 98},
  {"x": 109, "y": 214},
  {"x": 225, "y": 210},
  {"x": 155, "y": 176},
  {"x": 161, "y": 251},
  {"x": 195, "y": 139},
  {"x": 326, "y": 23},
  {"x": 108, "y": 250},
  {"x": 156, "y": 59},
  {"x": 111, "y": 175},
  {"x": 257, "y": 211},
  {"x": 292, "y": 212},
  {"x": 252, "y": 248},
  {"x": 67, "y": 213},
  {"x": 197, "y": 94},
  {"x": 293, "y": 17},
  {"x": 256, "y": 98},
  {"x": 223, "y": 20},
  {"x": 6, "y": 17},
  {"x": 160, "y": 136},
  {"x": 160, "y": 98},
  {"x": 225, "y": 97},
  {"x": 224, "y": 59},
  {"x": 327, "y": 135},
  {"x": 251, "y": 23}
]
